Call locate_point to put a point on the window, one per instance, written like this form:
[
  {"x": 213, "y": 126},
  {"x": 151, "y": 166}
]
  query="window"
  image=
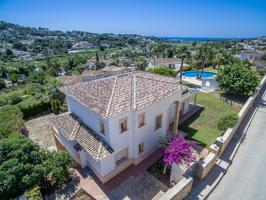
[
  {"x": 158, "y": 122},
  {"x": 141, "y": 120},
  {"x": 102, "y": 127},
  {"x": 123, "y": 125},
  {"x": 141, "y": 148}
]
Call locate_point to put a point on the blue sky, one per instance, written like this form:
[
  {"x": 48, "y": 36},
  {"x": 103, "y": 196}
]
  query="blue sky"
[{"x": 186, "y": 18}]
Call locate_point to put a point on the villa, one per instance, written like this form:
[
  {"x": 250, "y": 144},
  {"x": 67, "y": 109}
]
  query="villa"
[{"x": 115, "y": 122}]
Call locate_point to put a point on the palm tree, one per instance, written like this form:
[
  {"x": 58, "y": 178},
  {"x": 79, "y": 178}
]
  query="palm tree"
[
  {"x": 204, "y": 54},
  {"x": 182, "y": 52}
]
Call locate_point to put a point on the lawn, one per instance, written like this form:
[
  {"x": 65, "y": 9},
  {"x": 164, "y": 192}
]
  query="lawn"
[
  {"x": 202, "y": 127},
  {"x": 210, "y": 69}
]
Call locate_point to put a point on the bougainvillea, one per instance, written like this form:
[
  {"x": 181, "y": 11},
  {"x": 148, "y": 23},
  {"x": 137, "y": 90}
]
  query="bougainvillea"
[{"x": 179, "y": 150}]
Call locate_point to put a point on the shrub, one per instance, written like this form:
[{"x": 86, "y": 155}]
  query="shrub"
[
  {"x": 14, "y": 99},
  {"x": 237, "y": 79},
  {"x": 164, "y": 71},
  {"x": 32, "y": 106},
  {"x": 2, "y": 84},
  {"x": 33, "y": 89},
  {"x": 11, "y": 120},
  {"x": 227, "y": 121},
  {"x": 24, "y": 165},
  {"x": 55, "y": 106},
  {"x": 177, "y": 150},
  {"x": 34, "y": 193},
  {"x": 10, "y": 98}
]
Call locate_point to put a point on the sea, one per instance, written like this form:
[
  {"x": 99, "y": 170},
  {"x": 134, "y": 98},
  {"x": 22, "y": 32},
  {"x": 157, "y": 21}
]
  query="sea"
[{"x": 192, "y": 39}]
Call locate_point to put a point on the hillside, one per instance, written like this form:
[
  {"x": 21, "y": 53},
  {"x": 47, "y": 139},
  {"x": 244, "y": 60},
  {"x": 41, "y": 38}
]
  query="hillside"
[{"x": 48, "y": 42}]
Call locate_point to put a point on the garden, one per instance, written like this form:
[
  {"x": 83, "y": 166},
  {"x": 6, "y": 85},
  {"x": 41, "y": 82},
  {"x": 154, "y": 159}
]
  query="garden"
[{"x": 203, "y": 126}]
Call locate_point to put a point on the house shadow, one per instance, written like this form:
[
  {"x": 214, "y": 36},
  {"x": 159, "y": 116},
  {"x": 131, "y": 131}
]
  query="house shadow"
[
  {"x": 143, "y": 186},
  {"x": 190, "y": 132},
  {"x": 199, "y": 185}
]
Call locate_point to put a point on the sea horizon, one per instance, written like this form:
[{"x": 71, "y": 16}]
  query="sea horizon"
[{"x": 191, "y": 39}]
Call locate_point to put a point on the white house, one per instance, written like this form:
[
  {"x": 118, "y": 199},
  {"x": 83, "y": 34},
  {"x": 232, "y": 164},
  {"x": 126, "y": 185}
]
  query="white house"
[{"x": 116, "y": 121}]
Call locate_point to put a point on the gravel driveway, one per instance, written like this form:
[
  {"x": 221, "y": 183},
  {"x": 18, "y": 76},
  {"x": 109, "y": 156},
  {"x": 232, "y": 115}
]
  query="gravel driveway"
[{"x": 40, "y": 131}]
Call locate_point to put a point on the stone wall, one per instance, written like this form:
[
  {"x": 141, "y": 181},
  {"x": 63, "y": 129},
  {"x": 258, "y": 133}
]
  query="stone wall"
[
  {"x": 180, "y": 190},
  {"x": 205, "y": 166}
]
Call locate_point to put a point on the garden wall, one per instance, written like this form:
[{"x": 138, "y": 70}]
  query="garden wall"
[
  {"x": 205, "y": 166},
  {"x": 223, "y": 141},
  {"x": 216, "y": 149},
  {"x": 180, "y": 190}
]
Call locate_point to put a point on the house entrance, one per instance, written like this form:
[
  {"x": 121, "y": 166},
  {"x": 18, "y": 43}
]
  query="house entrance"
[
  {"x": 171, "y": 126},
  {"x": 121, "y": 156}
]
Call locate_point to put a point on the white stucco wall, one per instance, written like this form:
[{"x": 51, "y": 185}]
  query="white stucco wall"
[
  {"x": 107, "y": 165},
  {"x": 123, "y": 140},
  {"x": 133, "y": 136},
  {"x": 91, "y": 119},
  {"x": 69, "y": 145},
  {"x": 147, "y": 134},
  {"x": 209, "y": 84}
]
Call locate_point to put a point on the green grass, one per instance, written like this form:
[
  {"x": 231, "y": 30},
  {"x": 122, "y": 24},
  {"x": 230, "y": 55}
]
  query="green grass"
[
  {"x": 202, "y": 127},
  {"x": 210, "y": 69}
]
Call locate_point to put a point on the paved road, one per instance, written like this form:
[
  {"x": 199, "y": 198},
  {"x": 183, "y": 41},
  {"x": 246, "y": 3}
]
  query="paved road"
[{"x": 246, "y": 177}]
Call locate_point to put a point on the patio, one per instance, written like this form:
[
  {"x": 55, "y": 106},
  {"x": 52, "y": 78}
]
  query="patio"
[{"x": 93, "y": 186}]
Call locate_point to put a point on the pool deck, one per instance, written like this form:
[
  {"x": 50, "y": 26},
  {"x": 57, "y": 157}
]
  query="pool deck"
[{"x": 192, "y": 80}]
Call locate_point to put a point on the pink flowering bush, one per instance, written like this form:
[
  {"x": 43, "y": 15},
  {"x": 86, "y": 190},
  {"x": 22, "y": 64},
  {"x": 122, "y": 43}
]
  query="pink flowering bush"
[{"x": 179, "y": 150}]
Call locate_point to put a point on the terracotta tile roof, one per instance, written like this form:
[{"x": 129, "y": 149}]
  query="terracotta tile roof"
[
  {"x": 114, "y": 95},
  {"x": 73, "y": 129},
  {"x": 70, "y": 80},
  {"x": 92, "y": 73}
]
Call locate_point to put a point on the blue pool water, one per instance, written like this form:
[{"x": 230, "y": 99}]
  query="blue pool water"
[{"x": 193, "y": 74}]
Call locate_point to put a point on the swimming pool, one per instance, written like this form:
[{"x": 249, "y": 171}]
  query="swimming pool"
[{"x": 193, "y": 74}]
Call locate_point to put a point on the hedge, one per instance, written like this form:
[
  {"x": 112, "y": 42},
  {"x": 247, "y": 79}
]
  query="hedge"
[
  {"x": 11, "y": 98},
  {"x": 164, "y": 71},
  {"x": 32, "y": 107}
]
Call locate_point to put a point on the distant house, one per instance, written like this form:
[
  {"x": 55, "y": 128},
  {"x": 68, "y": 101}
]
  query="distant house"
[
  {"x": 250, "y": 55},
  {"x": 24, "y": 55},
  {"x": 82, "y": 45},
  {"x": 112, "y": 70},
  {"x": 115, "y": 122},
  {"x": 90, "y": 64},
  {"x": 61, "y": 71},
  {"x": 69, "y": 80},
  {"x": 172, "y": 63},
  {"x": 90, "y": 75}
]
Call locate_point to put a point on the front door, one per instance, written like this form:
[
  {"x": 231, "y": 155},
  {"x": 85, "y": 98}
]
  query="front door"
[
  {"x": 121, "y": 156},
  {"x": 171, "y": 126}
]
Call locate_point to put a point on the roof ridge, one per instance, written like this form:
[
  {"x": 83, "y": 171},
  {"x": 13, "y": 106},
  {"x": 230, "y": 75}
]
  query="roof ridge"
[
  {"x": 111, "y": 98},
  {"x": 75, "y": 129},
  {"x": 134, "y": 91},
  {"x": 99, "y": 150},
  {"x": 150, "y": 78}
]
